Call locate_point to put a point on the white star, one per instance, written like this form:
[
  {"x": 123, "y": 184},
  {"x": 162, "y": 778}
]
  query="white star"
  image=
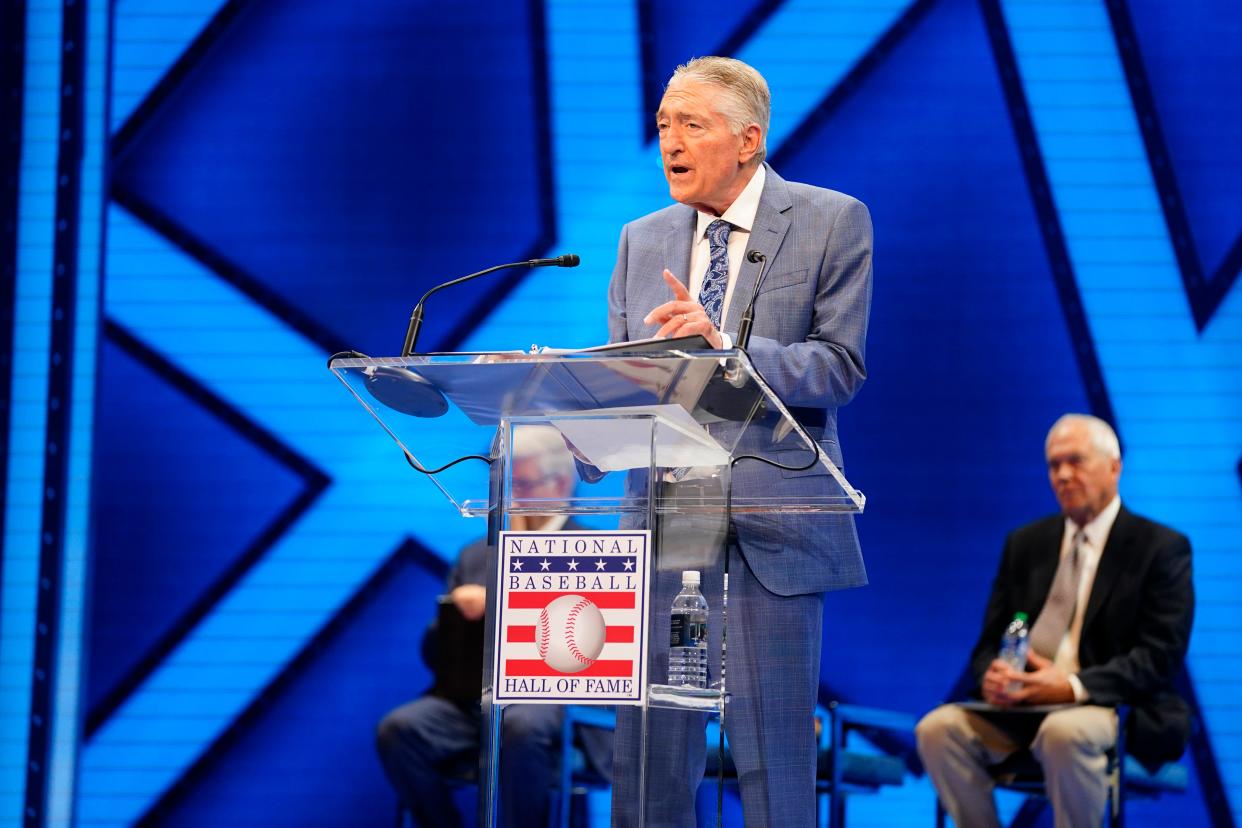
[
  {"x": 629, "y": 565},
  {"x": 573, "y": 566},
  {"x": 544, "y": 564},
  {"x": 517, "y": 565},
  {"x": 599, "y": 565}
]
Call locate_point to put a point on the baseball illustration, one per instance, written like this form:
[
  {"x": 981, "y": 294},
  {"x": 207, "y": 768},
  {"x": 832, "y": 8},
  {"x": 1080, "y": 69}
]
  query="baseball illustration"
[{"x": 571, "y": 634}]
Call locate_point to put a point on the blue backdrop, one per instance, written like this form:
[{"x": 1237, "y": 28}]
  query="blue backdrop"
[{"x": 1055, "y": 191}]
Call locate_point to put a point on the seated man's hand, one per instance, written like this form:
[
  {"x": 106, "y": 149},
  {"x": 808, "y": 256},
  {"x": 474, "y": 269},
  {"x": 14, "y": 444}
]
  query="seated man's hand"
[
  {"x": 997, "y": 681},
  {"x": 1048, "y": 684},
  {"x": 682, "y": 316},
  {"x": 470, "y": 600}
]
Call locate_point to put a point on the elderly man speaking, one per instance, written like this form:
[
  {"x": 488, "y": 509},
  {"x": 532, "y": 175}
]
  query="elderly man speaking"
[{"x": 687, "y": 270}]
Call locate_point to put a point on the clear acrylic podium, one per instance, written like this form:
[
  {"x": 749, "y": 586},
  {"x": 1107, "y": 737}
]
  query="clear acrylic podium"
[{"x": 679, "y": 441}]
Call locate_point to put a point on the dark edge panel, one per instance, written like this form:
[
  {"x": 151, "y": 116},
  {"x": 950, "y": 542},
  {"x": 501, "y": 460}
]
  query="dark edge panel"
[
  {"x": 1046, "y": 211},
  {"x": 408, "y": 553},
  {"x": 541, "y": 100},
  {"x": 186, "y": 63},
  {"x": 1204, "y": 294},
  {"x": 1211, "y": 784},
  {"x": 315, "y": 483},
  {"x": 852, "y": 80},
  {"x": 744, "y": 32},
  {"x": 218, "y": 264},
  {"x": 653, "y": 84},
  {"x": 648, "y": 66},
  {"x": 12, "y": 95},
  {"x": 541, "y": 95},
  {"x": 59, "y": 408}
]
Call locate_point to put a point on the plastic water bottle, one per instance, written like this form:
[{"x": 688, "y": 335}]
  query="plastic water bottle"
[
  {"x": 687, "y": 649},
  {"x": 1014, "y": 645}
]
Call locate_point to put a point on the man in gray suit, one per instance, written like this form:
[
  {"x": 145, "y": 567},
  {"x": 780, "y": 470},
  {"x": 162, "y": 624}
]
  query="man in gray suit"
[{"x": 685, "y": 270}]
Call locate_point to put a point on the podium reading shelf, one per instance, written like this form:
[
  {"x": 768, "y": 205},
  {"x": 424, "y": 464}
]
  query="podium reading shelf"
[{"x": 673, "y": 437}]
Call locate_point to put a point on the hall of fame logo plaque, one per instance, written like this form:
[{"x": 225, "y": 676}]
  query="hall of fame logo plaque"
[{"x": 571, "y": 617}]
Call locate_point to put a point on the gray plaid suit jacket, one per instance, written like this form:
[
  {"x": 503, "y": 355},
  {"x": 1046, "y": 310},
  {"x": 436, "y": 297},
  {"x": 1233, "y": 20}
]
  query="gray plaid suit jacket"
[{"x": 808, "y": 342}]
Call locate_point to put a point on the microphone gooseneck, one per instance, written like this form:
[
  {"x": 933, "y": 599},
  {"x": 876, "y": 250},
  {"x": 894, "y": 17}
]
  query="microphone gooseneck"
[
  {"x": 748, "y": 315},
  {"x": 416, "y": 317}
]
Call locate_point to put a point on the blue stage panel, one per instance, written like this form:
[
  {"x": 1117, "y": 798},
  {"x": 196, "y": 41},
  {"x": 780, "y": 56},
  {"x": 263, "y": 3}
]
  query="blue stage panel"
[
  {"x": 289, "y": 176},
  {"x": 341, "y": 159},
  {"x": 1193, "y": 64},
  {"x": 180, "y": 496},
  {"x": 968, "y": 357},
  {"x": 305, "y": 751}
]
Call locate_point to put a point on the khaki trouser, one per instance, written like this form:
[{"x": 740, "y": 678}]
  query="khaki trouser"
[{"x": 958, "y": 745}]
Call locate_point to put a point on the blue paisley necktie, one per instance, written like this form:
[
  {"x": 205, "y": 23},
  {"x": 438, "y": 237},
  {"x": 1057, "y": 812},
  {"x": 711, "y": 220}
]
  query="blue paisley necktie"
[{"x": 712, "y": 294}]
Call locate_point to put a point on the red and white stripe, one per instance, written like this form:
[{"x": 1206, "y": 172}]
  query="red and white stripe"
[{"x": 521, "y": 619}]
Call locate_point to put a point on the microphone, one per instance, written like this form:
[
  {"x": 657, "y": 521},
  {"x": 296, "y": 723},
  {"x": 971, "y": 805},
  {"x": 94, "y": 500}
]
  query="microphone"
[
  {"x": 748, "y": 315},
  {"x": 568, "y": 260},
  {"x": 416, "y": 318},
  {"x": 403, "y": 390}
]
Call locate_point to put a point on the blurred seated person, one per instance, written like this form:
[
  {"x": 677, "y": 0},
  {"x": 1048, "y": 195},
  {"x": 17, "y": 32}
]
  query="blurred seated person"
[
  {"x": 1113, "y": 603},
  {"x": 428, "y": 742}
]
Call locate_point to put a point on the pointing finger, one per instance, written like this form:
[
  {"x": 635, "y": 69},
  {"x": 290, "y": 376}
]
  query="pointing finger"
[{"x": 679, "y": 290}]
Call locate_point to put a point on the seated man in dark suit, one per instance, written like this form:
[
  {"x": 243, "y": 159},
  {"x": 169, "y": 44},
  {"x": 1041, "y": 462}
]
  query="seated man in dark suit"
[
  {"x": 437, "y": 736},
  {"x": 1112, "y": 596}
]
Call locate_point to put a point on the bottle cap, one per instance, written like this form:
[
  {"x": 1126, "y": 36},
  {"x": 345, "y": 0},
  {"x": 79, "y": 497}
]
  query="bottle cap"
[
  {"x": 690, "y": 577},
  {"x": 1020, "y": 616}
]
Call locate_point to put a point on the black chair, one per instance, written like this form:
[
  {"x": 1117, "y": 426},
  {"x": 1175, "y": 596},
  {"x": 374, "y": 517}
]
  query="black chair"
[
  {"x": 1127, "y": 777},
  {"x": 576, "y": 776},
  {"x": 840, "y": 772}
]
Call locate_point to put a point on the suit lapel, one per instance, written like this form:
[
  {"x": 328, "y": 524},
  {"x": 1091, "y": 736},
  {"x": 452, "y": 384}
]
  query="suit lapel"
[
  {"x": 771, "y": 225},
  {"x": 677, "y": 245},
  {"x": 1043, "y": 567},
  {"x": 1112, "y": 563}
]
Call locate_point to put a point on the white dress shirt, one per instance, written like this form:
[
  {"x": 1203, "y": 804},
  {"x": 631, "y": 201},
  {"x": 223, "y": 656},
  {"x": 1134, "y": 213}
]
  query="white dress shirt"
[
  {"x": 741, "y": 214},
  {"x": 1095, "y": 537}
]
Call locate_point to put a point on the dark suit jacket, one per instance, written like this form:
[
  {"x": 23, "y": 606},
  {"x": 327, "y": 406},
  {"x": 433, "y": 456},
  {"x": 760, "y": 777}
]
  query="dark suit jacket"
[{"x": 1136, "y": 628}]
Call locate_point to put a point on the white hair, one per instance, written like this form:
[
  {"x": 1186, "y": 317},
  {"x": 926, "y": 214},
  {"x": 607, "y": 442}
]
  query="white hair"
[
  {"x": 544, "y": 444},
  {"x": 746, "y": 98},
  {"x": 1103, "y": 438}
]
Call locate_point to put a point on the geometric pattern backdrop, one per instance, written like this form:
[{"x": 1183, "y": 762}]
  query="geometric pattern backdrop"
[{"x": 1054, "y": 187}]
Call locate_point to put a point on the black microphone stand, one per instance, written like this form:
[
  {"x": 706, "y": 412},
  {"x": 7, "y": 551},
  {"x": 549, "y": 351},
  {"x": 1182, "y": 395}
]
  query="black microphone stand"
[
  {"x": 416, "y": 318},
  {"x": 748, "y": 315}
]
